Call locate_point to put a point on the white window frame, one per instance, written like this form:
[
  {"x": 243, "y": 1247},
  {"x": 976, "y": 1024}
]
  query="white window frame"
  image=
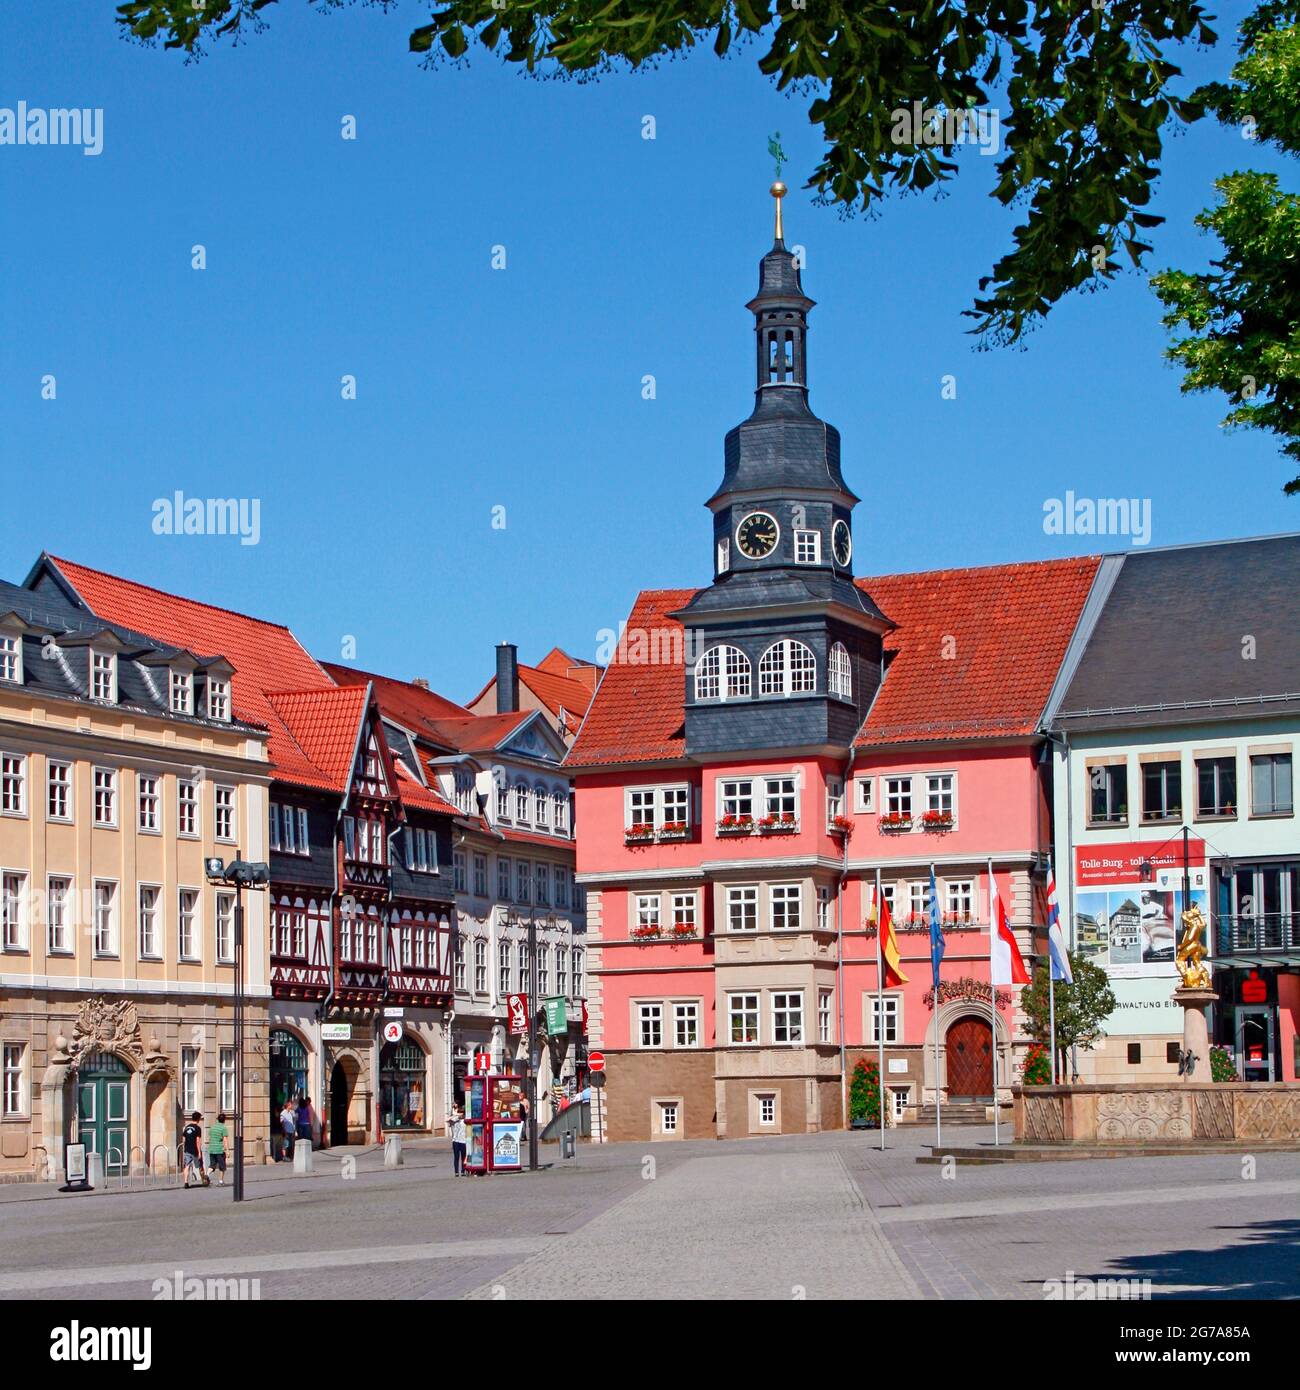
[
  {"x": 723, "y": 673},
  {"x": 899, "y": 790},
  {"x": 224, "y": 917},
  {"x": 578, "y": 962},
  {"x": 15, "y": 908},
  {"x": 865, "y": 794},
  {"x": 788, "y": 667},
  {"x": 826, "y": 1015},
  {"x": 960, "y": 898},
  {"x": 785, "y": 904},
  {"x": 766, "y": 1108},
  {"x": 182, "y": 684},
  {"x": 11, "y": 657},
  {"x": 807, "y": 547},
  {"x": 480, "y": 966},
  {"x": 16, "y": 1103},
  {"x": 505, "y": 969},
  {"x": 58, "y": 924},
  {"x": 226, "y": 1083},
  {"x": 781, "y": 796},
  {"x": 647, "y": 910},
  {"x": 686, "y": 1019},
  {"x": 13, "y": 784},
  {"x": 191, "y": 1080},
  {"x": 103, "y": 784},
  {"x": 739, "y": 800},
  {"x": 839, "y": 672},
  {"x": 148, "y": 800},
  {"x": 219, "y": 699},
  {"x": 224, "y": 806},
  {"x": 893, "y": 1018},
  {"x": 148, "y": 946},
  {"x": 743, "y": 896},
  {"x": 111, "y": 931},
  {"x": 743, "y": 1005},
  {"x": 195, "y": 951},
  {"x": 724, "y": 555},
  {"x": 480, "y": 876},
  {"x": 187, "y": 801},
  {"x": 788, "y": 1016},
  {"x": 103, "y": 676},
  {"x": 649, "y": 1030},
  {"x": 936, "y": 794},
  {"x": 60, "y": 789}
]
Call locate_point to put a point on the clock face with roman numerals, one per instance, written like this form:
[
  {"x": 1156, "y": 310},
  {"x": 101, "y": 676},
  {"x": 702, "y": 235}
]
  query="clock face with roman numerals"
[
  {"x": 757, "y": 535},
  {"x": 842, "y": 544}
]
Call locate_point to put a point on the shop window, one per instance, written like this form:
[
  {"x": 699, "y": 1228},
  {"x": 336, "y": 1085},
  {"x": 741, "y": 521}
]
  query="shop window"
[{"x": 401, "y": 1086}]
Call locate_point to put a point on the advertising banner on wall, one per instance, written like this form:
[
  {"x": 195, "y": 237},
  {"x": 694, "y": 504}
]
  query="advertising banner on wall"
[{"x": 1128, "y": 923}]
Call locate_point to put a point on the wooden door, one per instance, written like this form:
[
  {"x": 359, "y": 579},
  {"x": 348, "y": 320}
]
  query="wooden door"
[{"x": 970, "y": 1060}]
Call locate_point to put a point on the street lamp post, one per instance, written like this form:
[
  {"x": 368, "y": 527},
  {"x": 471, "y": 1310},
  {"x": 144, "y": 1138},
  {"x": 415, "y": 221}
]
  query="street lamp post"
[
  {"x": 532, "y": 1041},
  {"x": 239, "y": 874}
]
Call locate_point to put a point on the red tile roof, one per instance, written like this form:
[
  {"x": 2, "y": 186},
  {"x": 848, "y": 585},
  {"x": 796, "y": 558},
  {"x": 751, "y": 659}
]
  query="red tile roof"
[
  {"x": 976, "y": 651},
  {"x": 637, "y": 713},
  {"x": 267, "y": 658},
  {"x": 1010, "y": 626},
  {"x": 416, "y": 795},
  {"x": 324, "y": 724},
  {"x": 478, "y": 733},
  {"x": 414, "y": 707},
  {"x": 559, "y": 681}
]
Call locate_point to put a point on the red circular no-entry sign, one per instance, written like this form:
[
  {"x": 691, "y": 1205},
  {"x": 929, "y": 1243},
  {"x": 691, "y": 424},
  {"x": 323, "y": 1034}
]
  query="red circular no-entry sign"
[{"x": 596, "y": 1061}]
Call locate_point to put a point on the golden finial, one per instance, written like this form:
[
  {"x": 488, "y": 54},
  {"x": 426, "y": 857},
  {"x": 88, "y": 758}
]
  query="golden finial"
[{"x": 778, "y": 191}]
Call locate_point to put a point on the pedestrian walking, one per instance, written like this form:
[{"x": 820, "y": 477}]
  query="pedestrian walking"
[
  {"x": 192, "y": 1137},
  {"x": 304, "y": 1122},
  {"x": 217, "y": 1135},
  {"x": 456, "y": 1128},
  {"x": 288, "y": 1128}
]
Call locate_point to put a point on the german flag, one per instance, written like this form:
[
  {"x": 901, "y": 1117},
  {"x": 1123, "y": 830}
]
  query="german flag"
[{"x": 892, "y": 961}]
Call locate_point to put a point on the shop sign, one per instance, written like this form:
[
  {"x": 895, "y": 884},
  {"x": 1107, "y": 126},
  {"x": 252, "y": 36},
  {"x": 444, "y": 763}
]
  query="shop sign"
[
  {"x": 336, "y": 1032},
  {"x": 392, "y": 1031},
  {"x": 391, "y": 1012},
  {"x": 557, "y": 1015},
  {"x": 518, "y": 1007}
]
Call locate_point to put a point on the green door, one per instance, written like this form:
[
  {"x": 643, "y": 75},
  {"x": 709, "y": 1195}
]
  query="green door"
[{"x": 104, "y": 1110}]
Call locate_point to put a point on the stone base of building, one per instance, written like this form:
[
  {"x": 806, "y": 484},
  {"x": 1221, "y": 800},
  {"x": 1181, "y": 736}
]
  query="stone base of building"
[
  {"x": 1190, "y": 1112},
  {"x": 112, "y": 1070}
]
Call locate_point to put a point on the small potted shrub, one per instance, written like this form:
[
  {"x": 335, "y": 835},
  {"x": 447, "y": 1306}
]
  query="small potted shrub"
[
  {"x": 864, "y": 1095},
  {"x": 1221, "y": 1065},
  {"x": 1037, "y": 1070}
]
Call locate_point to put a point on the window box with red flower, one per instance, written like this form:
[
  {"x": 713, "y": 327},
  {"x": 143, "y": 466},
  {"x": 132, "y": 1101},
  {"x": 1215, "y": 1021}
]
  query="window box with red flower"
[
  {"x": 639, "y": 834},
  {"x": 781, "y": 824},
  {"x": 841, "y": 825},
  {"x": 735, "y": 825},
  {"x": 684, "y": 931},
  {"x": 894, "y": 822},
  {"x": 937, "y": 820},
  {"x": 674, "y": 830},
  {"x": 647, "y": 932}
]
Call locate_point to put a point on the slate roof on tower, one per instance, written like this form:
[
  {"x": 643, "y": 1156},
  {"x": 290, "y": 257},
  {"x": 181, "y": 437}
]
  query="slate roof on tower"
[{"x": 1010, "y": 626}]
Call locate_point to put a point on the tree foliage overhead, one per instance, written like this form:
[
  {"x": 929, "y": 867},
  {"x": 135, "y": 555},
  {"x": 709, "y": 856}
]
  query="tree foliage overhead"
[
  {"x": 1242, "y": 317},
  {"x": 1083, "y": 91}
]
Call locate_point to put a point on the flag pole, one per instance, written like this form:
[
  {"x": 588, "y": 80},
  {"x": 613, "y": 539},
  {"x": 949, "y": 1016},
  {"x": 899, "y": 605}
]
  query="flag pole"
[
  {"x": 993, "y": 1001},
  {"x": 938, "y": 1080},
  {"x": 880, "y": 1016},
  {"x": 1051, "y": 1014}
]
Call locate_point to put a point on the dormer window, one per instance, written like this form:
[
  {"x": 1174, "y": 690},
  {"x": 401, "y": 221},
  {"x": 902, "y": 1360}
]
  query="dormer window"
[
  {"x": 218, "y": 699},
  {"x": 11, "y": 658},
  {"x": 182, "y": 692},
  {"x": 103, "y": 676},
  {"x": 722, "y": 673}
]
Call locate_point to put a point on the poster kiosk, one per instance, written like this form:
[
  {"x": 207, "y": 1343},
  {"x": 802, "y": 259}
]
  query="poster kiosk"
[{"x": 494, "y": 1130}]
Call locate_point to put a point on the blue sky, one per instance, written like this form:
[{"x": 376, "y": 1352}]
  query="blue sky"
[{"x": 521, "y": 388}]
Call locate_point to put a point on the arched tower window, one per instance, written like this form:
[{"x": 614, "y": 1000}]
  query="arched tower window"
[
  {"x": 787, "y": 668},
  {"x": 839, "y": 673},
  {"x": 722, "y": 673}
]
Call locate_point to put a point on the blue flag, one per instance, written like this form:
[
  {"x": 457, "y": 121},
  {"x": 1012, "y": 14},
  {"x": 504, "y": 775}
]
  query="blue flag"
[{"x": 936, "y": 935}]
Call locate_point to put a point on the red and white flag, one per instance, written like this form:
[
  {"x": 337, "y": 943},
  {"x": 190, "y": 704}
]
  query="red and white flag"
[{"x": 1007, "y": 964}]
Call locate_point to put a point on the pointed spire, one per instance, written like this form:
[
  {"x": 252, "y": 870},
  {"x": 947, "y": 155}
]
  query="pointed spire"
[{"x": 778, "y": 191}]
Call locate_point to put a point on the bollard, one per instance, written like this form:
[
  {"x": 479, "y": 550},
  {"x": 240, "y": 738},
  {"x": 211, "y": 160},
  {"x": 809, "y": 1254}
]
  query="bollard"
[
  {"x": 94, "y": 1169},
  {"x": 393, "y": 1151},
  {"x": 568, "y": 1144},
  {"x": 302, "y": 1159}
]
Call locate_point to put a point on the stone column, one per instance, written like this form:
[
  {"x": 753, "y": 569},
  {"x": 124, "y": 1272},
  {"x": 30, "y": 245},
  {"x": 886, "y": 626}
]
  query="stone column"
[{"x": 1196, "y": 1037}]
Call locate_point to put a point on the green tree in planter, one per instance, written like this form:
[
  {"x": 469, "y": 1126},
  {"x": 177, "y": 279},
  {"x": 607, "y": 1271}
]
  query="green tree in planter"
[
  {"x": 864, "y": 1093},
  {"x": 1081, "y": 1008}
]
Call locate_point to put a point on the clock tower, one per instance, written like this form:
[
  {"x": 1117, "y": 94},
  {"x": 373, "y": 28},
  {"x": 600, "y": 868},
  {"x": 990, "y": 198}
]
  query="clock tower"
[{"x": 783, "y": 650}]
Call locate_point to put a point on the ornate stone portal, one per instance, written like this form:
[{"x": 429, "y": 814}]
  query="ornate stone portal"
[{"x": 106, "y": 1027}]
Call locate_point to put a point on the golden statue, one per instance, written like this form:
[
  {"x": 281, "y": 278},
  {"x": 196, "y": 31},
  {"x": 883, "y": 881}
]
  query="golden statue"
[{"x": 1192, "y": 952}]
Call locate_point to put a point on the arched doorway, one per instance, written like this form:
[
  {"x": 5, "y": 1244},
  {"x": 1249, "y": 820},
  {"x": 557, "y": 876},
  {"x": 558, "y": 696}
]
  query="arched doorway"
[
  {"x": 969, "y": 1052},
  {"x": 339, "y": 1092},
  {"x": 104, "y": 1109}
]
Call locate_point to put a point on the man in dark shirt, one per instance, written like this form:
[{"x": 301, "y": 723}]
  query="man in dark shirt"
[{"x": 192, "y": 1135}]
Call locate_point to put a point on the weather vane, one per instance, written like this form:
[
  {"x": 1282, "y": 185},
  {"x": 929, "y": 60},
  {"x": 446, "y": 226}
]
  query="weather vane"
[{"x": 777, "y": 153}]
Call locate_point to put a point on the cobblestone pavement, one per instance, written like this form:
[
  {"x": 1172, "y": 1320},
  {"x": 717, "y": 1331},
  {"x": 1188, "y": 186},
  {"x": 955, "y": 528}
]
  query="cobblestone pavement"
[{"x": 813, "y": 1216}]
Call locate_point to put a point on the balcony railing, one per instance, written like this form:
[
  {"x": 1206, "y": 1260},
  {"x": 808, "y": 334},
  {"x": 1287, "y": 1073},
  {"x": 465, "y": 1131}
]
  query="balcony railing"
[{"x": 1272, "y": 931}]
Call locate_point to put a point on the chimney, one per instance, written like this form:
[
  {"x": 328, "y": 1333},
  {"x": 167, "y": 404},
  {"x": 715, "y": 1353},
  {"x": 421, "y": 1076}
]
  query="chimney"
[
  {"x": 420, "y": 683},
  {"x": 507, "y": 678}
]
